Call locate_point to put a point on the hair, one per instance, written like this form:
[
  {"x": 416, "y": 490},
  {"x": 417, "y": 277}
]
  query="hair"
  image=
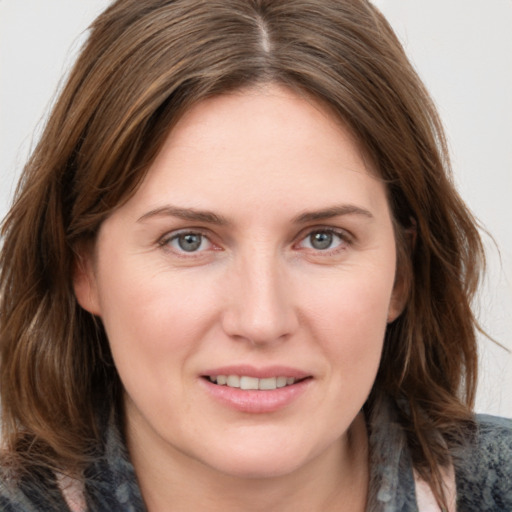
[{"x": 144, "y": 64}]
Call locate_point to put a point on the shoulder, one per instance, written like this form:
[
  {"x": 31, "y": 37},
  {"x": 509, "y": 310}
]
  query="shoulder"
[
  {"x": 484, "y": 467},
  {"x": 33, "y": 493},
  {"x": 492, "y": 446}
]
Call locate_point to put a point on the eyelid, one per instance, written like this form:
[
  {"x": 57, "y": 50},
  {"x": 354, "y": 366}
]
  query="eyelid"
[
  {"x": 164, "y": 240},
  {"x": 343, "y": 234}
]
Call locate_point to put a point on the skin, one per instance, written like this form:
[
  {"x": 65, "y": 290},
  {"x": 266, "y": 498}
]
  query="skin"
[{"x": 257, "y": 291}]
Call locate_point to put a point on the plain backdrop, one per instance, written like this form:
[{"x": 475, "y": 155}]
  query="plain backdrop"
[{"x": 462, "y": 50}]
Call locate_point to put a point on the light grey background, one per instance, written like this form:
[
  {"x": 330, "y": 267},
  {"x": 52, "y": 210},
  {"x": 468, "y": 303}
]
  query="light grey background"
[{"x": 461, "y": 48}]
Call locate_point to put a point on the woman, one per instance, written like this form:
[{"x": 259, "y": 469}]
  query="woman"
[{"x": 237, "y": 276}]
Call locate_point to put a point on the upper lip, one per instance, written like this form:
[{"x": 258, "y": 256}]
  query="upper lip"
[{"x": 259, "y": 373}]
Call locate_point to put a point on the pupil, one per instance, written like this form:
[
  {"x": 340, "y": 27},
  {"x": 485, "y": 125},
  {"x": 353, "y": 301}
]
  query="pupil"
[
  {"x": 190, "y": 242},
  {"x": 321, "y": 240}
]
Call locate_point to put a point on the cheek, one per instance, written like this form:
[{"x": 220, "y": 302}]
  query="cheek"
[
  {"x": 352, "y": 300},
  {"x": 152, "y": 330},
  {"x": 150, "y": 314},
  {"x": 350, "y": 317}
]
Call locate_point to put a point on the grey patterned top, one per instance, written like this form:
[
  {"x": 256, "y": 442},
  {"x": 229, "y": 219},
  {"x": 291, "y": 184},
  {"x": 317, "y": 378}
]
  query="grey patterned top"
[{"x": 483, "y": 472}]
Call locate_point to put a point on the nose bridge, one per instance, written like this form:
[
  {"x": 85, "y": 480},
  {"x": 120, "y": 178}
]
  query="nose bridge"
[{"x": 262, "y": 309}]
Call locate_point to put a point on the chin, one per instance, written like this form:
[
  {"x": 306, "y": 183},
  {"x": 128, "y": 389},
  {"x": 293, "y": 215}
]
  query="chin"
[
  {"x": 258, "y": 461},
  {"x": 256, "y": 469}
]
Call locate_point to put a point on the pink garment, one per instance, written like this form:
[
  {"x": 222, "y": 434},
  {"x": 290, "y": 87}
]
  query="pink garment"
[
  {"x": 425, "y": 497},
  {"x": 73, "y": 492}
]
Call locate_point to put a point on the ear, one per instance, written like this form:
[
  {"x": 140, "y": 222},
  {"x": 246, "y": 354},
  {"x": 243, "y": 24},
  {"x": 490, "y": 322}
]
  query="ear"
[
  {"x": 404, "y": 273},
  {"x": 84, "y": 280},
  {"x": 398, "y": 297}
]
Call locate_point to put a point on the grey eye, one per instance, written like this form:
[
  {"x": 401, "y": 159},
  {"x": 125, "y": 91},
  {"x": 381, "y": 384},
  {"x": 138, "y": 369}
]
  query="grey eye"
[
  {"x": 189, "y": 242},
  {"x": 321, "y": 240}
]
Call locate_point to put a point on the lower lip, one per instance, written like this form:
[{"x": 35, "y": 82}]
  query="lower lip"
[{"x": 255, "y": 401}]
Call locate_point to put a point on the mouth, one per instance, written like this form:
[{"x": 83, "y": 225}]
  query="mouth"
[
  {"x": 246, "y": 382},
  {"x": 249, "y": 389}
]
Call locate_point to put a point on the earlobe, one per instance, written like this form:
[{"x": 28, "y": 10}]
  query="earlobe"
[
  {"x": 84, "y": 284},
  {"x": 397, "y": 303},
  {"x": 400, "y": 294},
  {"x": 401, "y": 291},
  {"x": 404, "y": 273}
]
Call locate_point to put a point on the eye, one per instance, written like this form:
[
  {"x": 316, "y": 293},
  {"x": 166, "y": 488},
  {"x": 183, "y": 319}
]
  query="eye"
[
  {"x": 323, "y": 240},
  {"x": 187, "y": 242}
]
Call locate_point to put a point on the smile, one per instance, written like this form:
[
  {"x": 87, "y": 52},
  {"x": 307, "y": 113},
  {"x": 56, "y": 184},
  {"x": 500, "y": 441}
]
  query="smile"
[
  {"x": 246, "y": 382},
  {"x": 256, "y": 394}
]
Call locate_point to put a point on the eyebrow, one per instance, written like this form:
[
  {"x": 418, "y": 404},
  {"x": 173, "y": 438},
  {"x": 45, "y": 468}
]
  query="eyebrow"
[
  {"x": 333, "y": 211},
  {"x": 190, "y": 214}
]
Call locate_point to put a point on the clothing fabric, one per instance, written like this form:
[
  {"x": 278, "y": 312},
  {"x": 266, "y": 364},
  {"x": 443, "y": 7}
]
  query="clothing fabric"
[{"x": 482, "y": 470}]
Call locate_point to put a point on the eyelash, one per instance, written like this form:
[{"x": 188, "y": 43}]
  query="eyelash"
[
  {"x": 166, "y": 240},
  {"x": 346, "y": 239}
]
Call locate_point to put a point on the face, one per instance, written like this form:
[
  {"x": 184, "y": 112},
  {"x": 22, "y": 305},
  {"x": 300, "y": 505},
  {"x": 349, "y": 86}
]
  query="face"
[{"x": 245, "y": 288}]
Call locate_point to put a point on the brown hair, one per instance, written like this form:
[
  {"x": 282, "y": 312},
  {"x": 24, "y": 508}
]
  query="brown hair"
[{"x": 145, "y": 63}]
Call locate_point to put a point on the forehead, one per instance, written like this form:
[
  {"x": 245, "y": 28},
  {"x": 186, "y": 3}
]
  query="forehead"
[
  {"x": 264, "y": 145},
  {"x": 272, "y": 116}
]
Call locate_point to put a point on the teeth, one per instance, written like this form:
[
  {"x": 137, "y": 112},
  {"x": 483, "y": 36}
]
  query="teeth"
[
  {"x": 245, "y": 382},
  {"x": 269, "y": 383},
  {"x": 233, "y": 381},
  {"x": 248, "y": 382},
  {"x": 282, "y": 381}
]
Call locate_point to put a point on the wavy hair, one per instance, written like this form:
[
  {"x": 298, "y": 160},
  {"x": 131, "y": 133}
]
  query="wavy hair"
[{"x": 145, "y": 62}]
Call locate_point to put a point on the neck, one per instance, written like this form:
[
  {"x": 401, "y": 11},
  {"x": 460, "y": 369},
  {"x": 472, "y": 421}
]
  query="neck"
[{"x": 334, "y": 480}]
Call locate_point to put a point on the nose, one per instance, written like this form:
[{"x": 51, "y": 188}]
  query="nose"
[{"x": 261, "y": 307}]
